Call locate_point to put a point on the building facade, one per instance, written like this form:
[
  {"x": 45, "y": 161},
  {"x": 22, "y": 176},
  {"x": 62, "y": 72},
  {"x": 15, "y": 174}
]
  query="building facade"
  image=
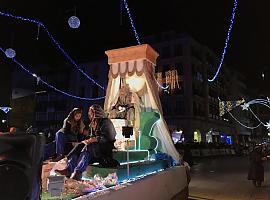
[
  {"x": 53, "y": 107},
  {"x": 191, "y": 103}
]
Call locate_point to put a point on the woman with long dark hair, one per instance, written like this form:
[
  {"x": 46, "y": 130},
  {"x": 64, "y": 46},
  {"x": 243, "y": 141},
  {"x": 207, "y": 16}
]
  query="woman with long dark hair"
[{"x": 72, "y": 126}]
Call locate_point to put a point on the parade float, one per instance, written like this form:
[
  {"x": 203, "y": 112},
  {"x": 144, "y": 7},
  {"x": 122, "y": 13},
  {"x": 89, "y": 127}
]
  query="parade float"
[{"x": 150, "y": 166}]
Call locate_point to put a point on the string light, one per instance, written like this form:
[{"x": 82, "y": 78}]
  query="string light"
[
  {"x": 158, "y": 80},
  {"x": 54, "y": 42},
  {"x": 248, "y": 127},
  {"x": 226, "y": 42},
  {"x": 172, "y": 79},
  {"x": 132, "y": 22},
  {"x": 256, "y": 116},
  {"x": 246, "y": 106},
  {"x": 229, "y": 105},
  {"x": 162, "y": 87},
  {"x": 260, "y": 102},
  {"x": 49, "y": 85},
  {"x": 137, "y": 36},
  {"x": 121, "y": 12}
]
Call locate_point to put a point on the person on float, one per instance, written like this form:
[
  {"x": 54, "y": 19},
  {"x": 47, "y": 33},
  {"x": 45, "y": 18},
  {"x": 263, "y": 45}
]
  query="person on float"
[
  {"x": 72, "y": 126},
  {"x": 98, "y": 146}
]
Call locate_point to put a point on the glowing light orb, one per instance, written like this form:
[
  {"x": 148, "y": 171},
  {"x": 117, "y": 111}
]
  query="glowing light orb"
[
  {"x": 74, "y": 22},
  {"x": 10, "y": 53}
]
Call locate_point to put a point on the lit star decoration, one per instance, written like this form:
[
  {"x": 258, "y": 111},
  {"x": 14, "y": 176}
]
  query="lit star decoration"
[
  {"x": 10, "y": 53},
  {"x": 74, "y": 22},
  {"x": 245, "y": 106},
  {"x": 268, "y": 125},
  {"x": 5, "y": 109}
]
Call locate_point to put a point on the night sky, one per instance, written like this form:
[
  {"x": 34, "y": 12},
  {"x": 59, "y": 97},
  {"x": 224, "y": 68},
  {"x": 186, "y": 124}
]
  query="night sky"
[{"x": 206, "y": 21}]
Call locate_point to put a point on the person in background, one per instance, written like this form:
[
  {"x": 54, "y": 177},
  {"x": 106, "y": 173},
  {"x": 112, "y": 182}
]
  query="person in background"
[
  {"x": 256, "y": 169},
  {"x": 97, "y": 148},
  {"x": 72, "y": 126}
]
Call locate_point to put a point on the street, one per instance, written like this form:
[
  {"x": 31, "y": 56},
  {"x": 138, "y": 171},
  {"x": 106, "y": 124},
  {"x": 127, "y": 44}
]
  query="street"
[{"x": 225, "y": 178}]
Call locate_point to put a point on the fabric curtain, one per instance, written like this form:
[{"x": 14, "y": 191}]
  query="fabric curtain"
[{"x": 145, "y": 97}]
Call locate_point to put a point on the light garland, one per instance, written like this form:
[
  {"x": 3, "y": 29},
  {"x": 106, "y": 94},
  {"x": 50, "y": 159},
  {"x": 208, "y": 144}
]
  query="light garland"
[
  {"x": 172, "y": 79},
  {"x": 263, "y": 102},
  {"x": 160, "y": 86},
  {"x": 226, "y": 42},
  {"x": 248, "y": 127},
  {"x": 256, "y": 116},
  {"x": 49, "y": 85},
  {"x": 137, "y": 36},
  {"x": 159, "y": 81},
  {"x": 228, "y": 105},
  {"x": 246, "y": 106},
  {"x": 131, "y": 21},
  {"x": 40, "y": 24},
  {"x": 159, "y": 77}
]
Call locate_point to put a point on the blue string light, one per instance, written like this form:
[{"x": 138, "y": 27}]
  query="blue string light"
[
  {"x": 40, "y": 24},
  {"x": 137, "y": 37},
  {"x": 121, "y": 12},
  {"x": 132, "y": 22},
  {"x": 226, "y": 42},
  {"x": 49, "y": 85},
  {"x": 162, "y": 87}
]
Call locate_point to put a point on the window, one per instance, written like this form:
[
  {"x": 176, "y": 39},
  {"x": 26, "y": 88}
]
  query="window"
[
  {"x": 165, "y": 68},
  {"x": 195, "y": 53},
  {"x": 82, "y": 91},
  {"x": 82, "y": 76},
  {"x": 179, "y": 68},
  {"x": 95, "y": 91},
  {"x": 166, "y": 52},
  {"x": 95, "y": 74},
  {"x": 178, "y": 50}
]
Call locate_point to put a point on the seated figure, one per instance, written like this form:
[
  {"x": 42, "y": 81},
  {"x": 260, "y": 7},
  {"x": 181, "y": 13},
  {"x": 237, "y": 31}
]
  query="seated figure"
[{"x": 124, "y": 108}]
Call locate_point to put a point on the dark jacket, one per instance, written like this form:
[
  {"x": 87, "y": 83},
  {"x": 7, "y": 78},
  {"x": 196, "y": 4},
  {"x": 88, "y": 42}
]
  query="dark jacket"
[
  {"x": 105, "y": 131},
  {"x": 105, "y": 134},
  {"x": 256, "y": 169}
]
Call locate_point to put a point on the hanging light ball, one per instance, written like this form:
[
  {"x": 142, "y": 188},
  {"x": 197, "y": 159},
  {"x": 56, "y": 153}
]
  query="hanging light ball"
[
  {"x": 10, "y": 53},
  {"x": 74, "y": 22}
]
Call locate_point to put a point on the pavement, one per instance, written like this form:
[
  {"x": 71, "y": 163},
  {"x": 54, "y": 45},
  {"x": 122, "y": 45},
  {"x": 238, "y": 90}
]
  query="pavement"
[{"x": 225, "y": 178}]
